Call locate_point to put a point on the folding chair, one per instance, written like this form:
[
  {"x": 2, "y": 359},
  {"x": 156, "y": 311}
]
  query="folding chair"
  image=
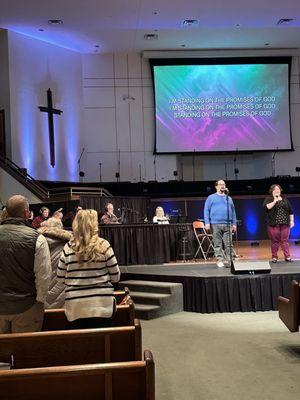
[{"x": 202, "y": 238}]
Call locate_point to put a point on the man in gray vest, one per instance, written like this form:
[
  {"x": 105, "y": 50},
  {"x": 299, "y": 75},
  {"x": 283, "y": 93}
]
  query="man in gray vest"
[{"x": 25, "y": 270}]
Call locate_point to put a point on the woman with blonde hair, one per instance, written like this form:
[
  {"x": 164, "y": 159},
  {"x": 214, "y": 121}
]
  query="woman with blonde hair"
[
  {"x": 160, "y": 217},
  {"x": 88, "y": 268}
]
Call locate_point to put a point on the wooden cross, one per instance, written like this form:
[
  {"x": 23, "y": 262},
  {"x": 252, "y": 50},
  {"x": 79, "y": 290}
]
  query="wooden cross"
[{"x": 50, "y": 110}]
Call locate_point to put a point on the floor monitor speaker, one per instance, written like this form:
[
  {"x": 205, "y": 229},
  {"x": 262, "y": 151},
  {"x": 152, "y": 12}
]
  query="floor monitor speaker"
[{"x": 250, "y": 267}]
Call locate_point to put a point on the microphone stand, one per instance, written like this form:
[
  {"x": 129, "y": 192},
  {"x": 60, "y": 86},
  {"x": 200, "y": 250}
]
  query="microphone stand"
[
  {"x": 78, "y": 162},
  {"x": 229, "y": 231},
  {"x": 274, "y": 163}
]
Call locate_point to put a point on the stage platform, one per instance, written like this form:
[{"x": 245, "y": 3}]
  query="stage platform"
[{"x": 209, "y": 289}]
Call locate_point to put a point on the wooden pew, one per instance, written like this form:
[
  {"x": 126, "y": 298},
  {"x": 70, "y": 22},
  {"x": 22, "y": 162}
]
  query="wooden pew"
[
  {"x": 86, "y": 346},
  {"x": 120, "y": 295},
  {"x": 55, "y": 319},
  {"x": 289, "y": 309},
  {"x": 133, "y": 380}
]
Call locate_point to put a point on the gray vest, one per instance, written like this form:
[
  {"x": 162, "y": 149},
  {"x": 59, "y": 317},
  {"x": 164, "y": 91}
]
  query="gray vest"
[{"x": 17, "y": 278}]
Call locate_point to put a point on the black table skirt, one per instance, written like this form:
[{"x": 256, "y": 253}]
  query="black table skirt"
[{"x": 149, "y": 243}]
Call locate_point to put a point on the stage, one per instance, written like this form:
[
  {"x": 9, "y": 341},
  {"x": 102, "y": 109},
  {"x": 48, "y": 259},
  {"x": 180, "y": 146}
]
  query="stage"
[{"x": 209, "y": 289}]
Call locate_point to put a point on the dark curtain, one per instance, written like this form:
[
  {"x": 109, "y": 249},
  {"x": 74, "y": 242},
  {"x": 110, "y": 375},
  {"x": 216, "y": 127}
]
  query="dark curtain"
[
  {"x": 228, "y": 294},
  {"x": 131, "y": 210},
  {"x": 149, "y": 243}
]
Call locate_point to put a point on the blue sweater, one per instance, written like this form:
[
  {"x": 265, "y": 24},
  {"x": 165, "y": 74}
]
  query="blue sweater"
[{"x": 215, "y": 210}]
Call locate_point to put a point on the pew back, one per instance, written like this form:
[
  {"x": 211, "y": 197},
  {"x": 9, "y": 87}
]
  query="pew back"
[
  {"x": 55, "y": 319},
  {"x": 121, "y": 294},
  {"x": 289, "y": 309},
  {"x": 88, "y": 346},
  {"x": 114, "y": 381}
]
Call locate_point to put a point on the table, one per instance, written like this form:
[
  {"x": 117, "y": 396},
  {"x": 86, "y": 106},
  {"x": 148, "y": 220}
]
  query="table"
[{"x": 147, "y": 243}]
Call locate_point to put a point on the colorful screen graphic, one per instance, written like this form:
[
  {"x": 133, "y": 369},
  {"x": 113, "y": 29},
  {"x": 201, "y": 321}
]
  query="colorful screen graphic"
[{"x": 217, "y": 108}]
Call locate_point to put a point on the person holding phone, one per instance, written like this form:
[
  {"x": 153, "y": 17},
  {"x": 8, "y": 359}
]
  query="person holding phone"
[{"x": 280, "y": 219}]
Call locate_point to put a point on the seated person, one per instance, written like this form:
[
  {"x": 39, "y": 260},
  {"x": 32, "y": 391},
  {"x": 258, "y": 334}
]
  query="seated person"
[
  {"x": 109, "y": 217},
  {"x": 44, "y": 214},
  {"x": 68, "y": 218},
  {"x": 160, "y": 217}
]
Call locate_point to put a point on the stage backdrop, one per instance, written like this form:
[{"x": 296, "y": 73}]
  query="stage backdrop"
[{"x": 249, "y": 212}]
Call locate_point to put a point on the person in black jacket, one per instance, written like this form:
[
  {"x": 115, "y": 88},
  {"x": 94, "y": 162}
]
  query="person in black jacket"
[{"x": 280, "y": 220}]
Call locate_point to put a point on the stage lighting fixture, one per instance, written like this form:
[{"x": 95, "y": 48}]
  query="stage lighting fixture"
[
  {"x": 297, "y": 169},
  {"x": 175, "y": 173},
  {"x": 81, "y": 174}
]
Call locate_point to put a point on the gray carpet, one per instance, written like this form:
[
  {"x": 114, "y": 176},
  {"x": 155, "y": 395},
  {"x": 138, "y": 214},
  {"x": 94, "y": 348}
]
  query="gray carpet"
[{"x": 236, "y": 356}]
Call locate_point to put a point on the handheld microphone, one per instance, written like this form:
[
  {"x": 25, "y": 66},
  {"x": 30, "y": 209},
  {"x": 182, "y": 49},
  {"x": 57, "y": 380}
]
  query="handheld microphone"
[{"x": 226, "y": 190}]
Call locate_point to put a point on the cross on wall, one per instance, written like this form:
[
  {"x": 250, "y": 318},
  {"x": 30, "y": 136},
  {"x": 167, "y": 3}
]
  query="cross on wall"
[{"x": 50, "y": 111}]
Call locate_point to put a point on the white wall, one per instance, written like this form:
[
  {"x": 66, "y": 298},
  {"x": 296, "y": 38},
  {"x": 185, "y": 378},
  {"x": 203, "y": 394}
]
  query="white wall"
[
  {"x": 4, "y": 86},
  {"x": 34, "y": 67},
  {"x": 10, "y": 186},
  {"x": 90, "y": 89},
  {"x": 113, "y": 125}
]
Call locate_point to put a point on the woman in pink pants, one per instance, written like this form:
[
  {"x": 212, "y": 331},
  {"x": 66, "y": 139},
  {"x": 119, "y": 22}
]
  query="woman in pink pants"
[{"x": 280, "y": 219}]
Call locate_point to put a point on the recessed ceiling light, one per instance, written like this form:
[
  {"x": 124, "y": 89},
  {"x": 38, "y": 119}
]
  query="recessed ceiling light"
[
  {"x": 284, "y": 21},
  {"x": 155, "y": 13},
  {"x": 190, "y": 22},
  {"x": 267, "y": 44},
  {"x": 41, "y": 29},
  {"x": 97, "y": 45},
  {"x": 55, "y": 21},
  {"x": 182, "y": 45},
  {"x": 151, "y": 36},
  {"x": 237, "y": 25}
]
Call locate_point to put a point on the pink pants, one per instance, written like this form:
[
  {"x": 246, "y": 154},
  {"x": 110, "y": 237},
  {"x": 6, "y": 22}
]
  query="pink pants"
[{"x": 279, "y": 235}]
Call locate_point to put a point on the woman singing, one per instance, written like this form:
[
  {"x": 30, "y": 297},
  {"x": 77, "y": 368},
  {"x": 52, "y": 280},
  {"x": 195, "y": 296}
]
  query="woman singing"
[{"x": 280, "y": 219}]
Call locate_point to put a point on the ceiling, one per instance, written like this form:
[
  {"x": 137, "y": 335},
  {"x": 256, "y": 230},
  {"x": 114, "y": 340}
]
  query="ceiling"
[{"x": 120, "y": 25}]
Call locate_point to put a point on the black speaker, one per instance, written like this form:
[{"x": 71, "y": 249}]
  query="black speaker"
[{"x": 250, "y": 267}]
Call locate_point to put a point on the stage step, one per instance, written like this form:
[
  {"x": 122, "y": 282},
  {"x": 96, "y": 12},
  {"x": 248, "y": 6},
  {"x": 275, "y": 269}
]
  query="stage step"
[
  {"x": 149, "y": 286},
  {"x": 154, "y": 299}
]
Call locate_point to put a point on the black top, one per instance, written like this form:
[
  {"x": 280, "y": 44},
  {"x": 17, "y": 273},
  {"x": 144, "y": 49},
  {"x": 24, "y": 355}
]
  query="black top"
[{"x": 280, "y": 213}]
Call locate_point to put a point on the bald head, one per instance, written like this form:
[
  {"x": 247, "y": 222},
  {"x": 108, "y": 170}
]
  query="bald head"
[{"x": 17, "y": 207}]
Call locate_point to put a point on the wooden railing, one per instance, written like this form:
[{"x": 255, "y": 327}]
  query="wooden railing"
[
  {"x": 73, "y": 191},
  {"x": 21, "y": 175}
]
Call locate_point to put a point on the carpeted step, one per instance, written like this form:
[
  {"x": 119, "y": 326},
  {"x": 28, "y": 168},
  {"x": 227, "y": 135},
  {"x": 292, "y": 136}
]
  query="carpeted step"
[
  {"x": 149, "y": 298},
  {"x": 154, "y": 299},
  {"x": 149, "y": 286},
  {"x": 147, "y": 311}
]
